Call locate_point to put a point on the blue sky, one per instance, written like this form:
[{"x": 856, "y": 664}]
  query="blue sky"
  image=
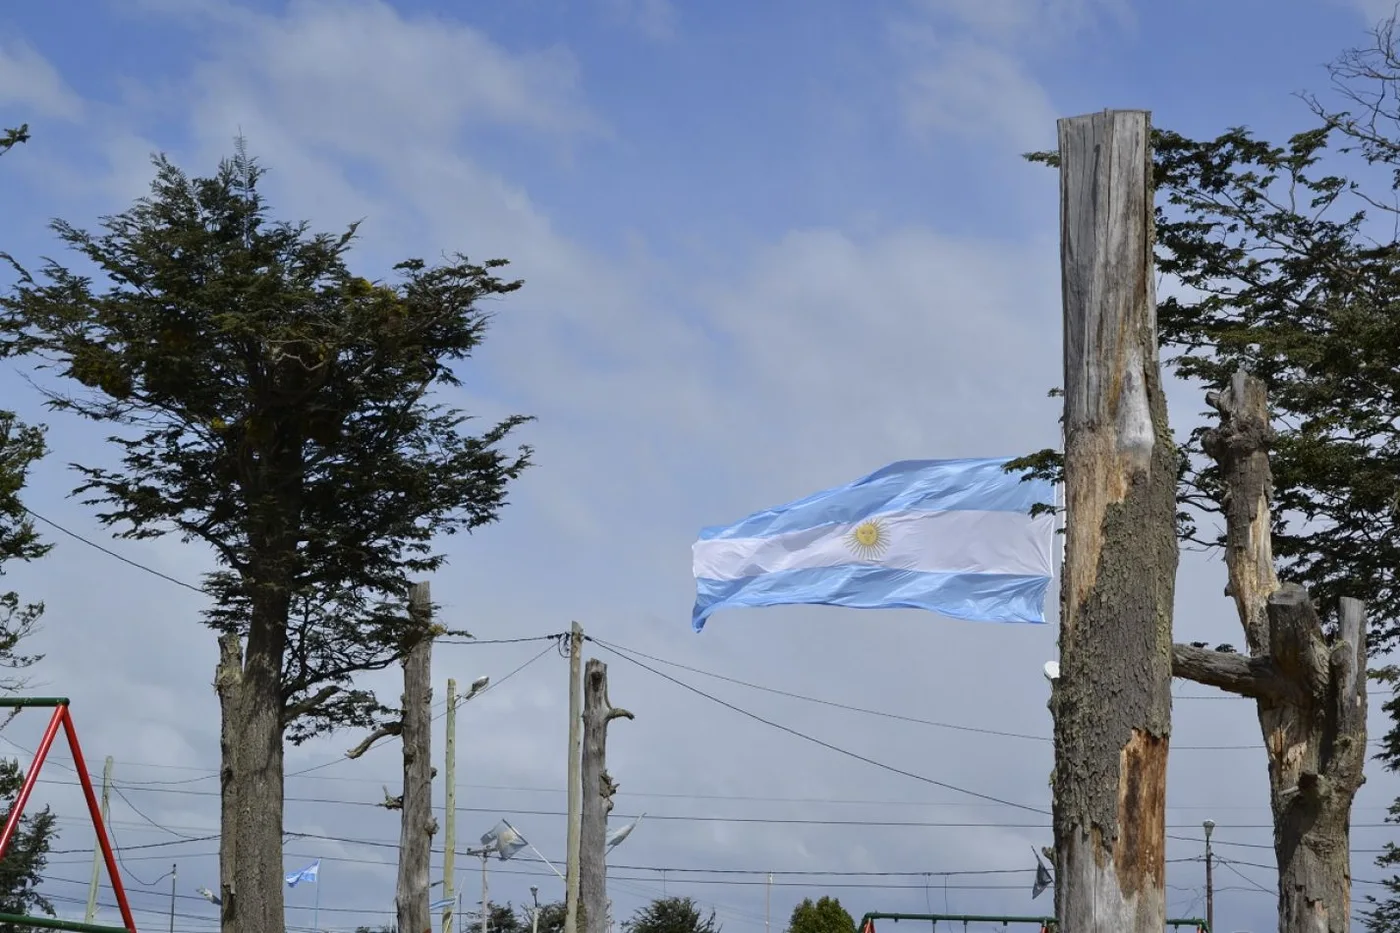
[{"x": 768, "y": 247}]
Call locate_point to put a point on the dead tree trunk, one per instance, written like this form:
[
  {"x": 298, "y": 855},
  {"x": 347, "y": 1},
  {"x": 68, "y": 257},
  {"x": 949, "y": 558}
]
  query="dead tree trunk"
[
  {"x": 1310, "y": 695},
  {"x": 416, "y": 826},
  {"x": 598, "y": 790},
  {"x": 1112, "y": 701}
]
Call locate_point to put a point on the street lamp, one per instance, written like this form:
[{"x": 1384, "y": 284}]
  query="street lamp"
[
  {"x": 535, "y": 914},
  {"x": 1209, "y": 827},
  {"x": 449, "y": 856}
]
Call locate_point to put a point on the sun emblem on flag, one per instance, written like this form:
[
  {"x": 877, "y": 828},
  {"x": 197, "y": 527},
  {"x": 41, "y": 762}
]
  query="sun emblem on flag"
[{"x": 868, "y": 539}]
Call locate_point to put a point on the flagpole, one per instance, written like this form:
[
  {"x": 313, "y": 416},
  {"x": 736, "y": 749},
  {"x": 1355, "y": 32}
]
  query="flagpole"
[{"x": 316, "y": 904}]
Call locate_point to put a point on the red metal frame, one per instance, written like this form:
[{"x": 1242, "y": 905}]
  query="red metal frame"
[{"x": 62, "y": 718}]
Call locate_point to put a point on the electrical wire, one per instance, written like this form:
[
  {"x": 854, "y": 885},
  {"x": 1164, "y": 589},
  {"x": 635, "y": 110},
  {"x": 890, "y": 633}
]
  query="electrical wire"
[{"x": 900, "y": 717}]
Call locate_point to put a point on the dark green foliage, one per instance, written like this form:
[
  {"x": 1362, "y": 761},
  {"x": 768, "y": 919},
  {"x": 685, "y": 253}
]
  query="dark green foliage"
[
  {"x": 10, "y": 138},
  {"x": 21, "y": 446},
  {"x": 671, "y": 915},
  {"x": 21, "y": 872},
  {"x": 826, "y": 915},
  {"x": 278, "y": 408}
]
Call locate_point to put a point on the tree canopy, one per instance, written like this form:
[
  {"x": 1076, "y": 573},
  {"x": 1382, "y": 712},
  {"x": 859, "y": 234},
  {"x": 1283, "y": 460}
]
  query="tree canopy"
[
  {"x": 825, "y": 915},
  {"x": 671, "y": 915},
  {"x": 287, "y": 413}
]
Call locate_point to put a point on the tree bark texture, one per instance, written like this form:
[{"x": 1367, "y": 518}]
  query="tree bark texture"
[
  {"x": 416, "y": 826},
  {"x": 1310, "y": 693},
  {"x": 1112, "y": 700},
  {"x": 598, "y": 790},
  {"x": 251, "y": 701}
]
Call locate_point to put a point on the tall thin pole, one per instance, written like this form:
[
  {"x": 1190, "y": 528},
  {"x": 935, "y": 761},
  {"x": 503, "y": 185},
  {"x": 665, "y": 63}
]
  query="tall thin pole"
[
  {"x": 535, "y": 914},
  {"x": 485, "y": 903},
  {"x": 450, "y": 817},
  {"x": 91, "y": 911},
  {"x": 316, "y": 906},
  {"x": 571, "y": 887},
  {"x": 174, "y": 875},
  {"x": 1210, "y": 880}
]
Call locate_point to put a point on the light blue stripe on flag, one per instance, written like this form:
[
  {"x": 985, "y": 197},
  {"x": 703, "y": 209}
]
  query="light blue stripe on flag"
[{"x": 951, "y": 536}]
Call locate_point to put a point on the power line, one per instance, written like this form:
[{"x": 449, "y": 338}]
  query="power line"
[
  {"x": 111, "y": 553},
  {"x": 816, "y": 741},
  {"x": 900, "y": 717}
]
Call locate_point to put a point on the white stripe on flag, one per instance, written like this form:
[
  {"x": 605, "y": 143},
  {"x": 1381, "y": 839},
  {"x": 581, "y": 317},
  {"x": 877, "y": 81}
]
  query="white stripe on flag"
[{"x": 930, "y": 542}]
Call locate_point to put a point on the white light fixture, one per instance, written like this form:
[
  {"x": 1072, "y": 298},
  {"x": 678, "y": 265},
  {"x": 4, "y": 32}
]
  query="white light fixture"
[
  {"x": 1209, "y": 827},
  {"x": 1052, "y": 671}
]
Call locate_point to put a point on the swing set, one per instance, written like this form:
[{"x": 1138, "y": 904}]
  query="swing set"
[
  {"x": 63, "y": 719},
  {"x": 1046, "y": 924}
]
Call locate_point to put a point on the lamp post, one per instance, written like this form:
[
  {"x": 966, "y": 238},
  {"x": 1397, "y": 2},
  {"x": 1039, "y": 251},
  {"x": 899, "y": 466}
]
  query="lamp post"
[
  {"x": 1209, "y": 827},
  {"x": 535, "y": 914},
  {"x": 450, "y": 817}
]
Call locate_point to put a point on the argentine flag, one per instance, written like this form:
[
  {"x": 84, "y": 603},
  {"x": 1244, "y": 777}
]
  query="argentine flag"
[{"x": 952, "y": 536}]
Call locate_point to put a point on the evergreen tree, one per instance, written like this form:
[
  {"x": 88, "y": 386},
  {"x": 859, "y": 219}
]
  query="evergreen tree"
[
  {"x": 271, "y": 404},
  {"x": 671, "y": 915},
  {"x": 825, "y": 915},
  {"x": 22, "y": 869}
]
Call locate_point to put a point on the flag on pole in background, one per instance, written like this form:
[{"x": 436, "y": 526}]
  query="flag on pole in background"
[
  {"x": 309, "y": 873},
  {"x": 442, "y": 904},
  {"x": 952, "y": 536},
  {"x": 1043, "y": 878},
  {"x": 621, "y": 833},
  {"x": 505, "y": 839}
]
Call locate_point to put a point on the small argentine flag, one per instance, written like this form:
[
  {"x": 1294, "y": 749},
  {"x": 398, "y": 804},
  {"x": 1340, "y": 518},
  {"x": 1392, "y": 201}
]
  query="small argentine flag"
[
  {"x": 308, "y": 873},
  {"x": 952, "y": 536}
]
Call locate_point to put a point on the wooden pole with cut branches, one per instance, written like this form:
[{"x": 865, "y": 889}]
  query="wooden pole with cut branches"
[
  {"x": 598, "y": 790},
  {"x": 1310, "y": 692}
]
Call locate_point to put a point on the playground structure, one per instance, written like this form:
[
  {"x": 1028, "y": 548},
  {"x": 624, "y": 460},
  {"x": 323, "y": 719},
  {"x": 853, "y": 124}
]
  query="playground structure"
[
  {"x": 1046, "y": 924},
  {"x": 62, "y": 718}
]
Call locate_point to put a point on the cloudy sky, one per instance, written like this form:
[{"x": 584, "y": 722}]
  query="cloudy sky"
[{"x": 767, "y": 247}]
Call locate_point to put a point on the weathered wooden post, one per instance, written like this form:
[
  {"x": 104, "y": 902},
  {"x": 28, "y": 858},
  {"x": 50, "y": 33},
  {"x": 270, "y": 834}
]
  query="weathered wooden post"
[
  {"x": 598, "y": 790},
  {"x": 1112, "y": 701},
  {"x": 417, "y": 826}
]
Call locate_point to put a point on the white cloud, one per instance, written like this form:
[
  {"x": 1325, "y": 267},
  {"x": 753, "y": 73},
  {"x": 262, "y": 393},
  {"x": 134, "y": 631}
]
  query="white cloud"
[
  {"x": 970, "y": 89},
  {"x": 655, "y": 19},
  {"x": 970, "y": 65},
  {"x": 29, "y": 82}
]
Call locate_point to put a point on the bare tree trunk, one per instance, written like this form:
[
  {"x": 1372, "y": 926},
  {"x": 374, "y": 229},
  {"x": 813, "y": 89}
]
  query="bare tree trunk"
[
  {"x": 228, "y": 678},
  {"x": 1112, "y": 701},
  {"x": 251, "y": 772},
  {"x": 598, "y": 790},
  {"x": 417, "y": 826},
  {"x": 1310, "y": 695}
]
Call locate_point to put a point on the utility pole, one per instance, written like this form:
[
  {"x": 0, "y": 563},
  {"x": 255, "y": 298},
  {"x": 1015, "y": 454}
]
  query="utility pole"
[
  {"x": 449, "y": 851},
  {"x": 1209, "y": 826},
  {"x": 417, "y": 826},
  {"x": 571, "y": 888},
  {"x": 174, "y": 875},
  {"x": 535, "y": 914},
  {"x": 91, "y": 911},
  {"x": 485, "y": 903},
  {"x": 1112, "y": 699},
  {"x": 598, "y": 790}
]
